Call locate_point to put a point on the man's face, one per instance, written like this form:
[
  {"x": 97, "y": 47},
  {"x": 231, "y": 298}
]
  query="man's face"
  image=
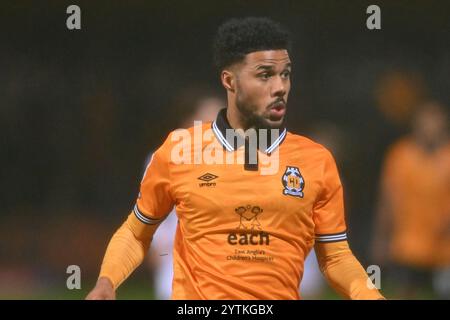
[{"x": 262, "y": 88}]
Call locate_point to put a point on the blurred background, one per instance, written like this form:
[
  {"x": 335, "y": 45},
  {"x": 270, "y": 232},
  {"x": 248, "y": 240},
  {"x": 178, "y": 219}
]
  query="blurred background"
[{"x": 81, "y": 110}]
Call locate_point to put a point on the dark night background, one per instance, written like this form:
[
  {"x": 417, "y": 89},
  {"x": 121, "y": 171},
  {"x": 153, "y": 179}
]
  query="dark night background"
[{"x": 80, "y": 110}]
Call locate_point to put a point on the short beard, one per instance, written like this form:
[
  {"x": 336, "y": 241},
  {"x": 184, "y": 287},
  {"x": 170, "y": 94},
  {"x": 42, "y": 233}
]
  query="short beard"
[{"x": 249, "y": 117}]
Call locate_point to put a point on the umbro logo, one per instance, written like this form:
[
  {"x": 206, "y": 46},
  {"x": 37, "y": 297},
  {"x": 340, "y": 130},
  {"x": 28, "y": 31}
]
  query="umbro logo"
[{"x": 207, "y": 177}]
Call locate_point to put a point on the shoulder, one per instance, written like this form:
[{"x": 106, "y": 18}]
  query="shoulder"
[
  {"x": 400, "y": 148},
  {"x": 307, "y": 146},
  {"x": 184, "y": 141}
]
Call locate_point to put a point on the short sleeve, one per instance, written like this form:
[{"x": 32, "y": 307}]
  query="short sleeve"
[
  {"x": 155, "y": 201},
  {"x": 328, "y": 210}
]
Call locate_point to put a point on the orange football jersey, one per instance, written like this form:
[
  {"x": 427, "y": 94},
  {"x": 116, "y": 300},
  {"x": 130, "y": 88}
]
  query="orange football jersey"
[{"x": 242, "y": 234}]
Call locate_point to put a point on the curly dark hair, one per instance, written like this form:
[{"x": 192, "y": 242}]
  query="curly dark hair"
[{"x": 238, "y": 37}]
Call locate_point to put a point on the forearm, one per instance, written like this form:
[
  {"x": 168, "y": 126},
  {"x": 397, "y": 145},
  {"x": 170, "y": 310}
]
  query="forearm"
[
  {"x": 126, "y": 250},
  {"x": 344, "y": 272}
]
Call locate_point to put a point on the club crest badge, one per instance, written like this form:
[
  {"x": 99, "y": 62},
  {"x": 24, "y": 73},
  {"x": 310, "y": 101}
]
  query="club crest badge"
[{"x": 293, "y": 182}]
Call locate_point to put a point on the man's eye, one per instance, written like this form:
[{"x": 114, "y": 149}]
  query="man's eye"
[
  {"x": 264, "y": 76},
  {"x": 286, "y": 74}
]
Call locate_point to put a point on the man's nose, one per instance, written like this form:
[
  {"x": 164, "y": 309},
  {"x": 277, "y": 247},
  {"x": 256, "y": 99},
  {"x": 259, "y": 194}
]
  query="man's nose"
[{"x": 278, "y": 87}]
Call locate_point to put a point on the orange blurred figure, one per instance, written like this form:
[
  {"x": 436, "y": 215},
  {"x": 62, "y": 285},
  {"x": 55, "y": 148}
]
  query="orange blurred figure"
[{"x": 413, "y": 227}]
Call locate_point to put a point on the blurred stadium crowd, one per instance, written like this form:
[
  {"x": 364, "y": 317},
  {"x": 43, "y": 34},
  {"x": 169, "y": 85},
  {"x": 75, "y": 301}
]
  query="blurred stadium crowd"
[{"x": 80, "y": 112}]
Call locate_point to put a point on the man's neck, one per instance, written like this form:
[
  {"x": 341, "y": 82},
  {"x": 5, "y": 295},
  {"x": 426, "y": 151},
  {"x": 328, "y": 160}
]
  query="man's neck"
[{"x": 235, "y": 119}]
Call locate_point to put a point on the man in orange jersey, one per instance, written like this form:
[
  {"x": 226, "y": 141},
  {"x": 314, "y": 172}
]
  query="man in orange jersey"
[
  {"x": 252, "y": 199},
  {"x": 413, "y": 227}
]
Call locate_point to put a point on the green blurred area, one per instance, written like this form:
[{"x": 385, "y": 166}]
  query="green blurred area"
[{"x": 139, "y": 288}]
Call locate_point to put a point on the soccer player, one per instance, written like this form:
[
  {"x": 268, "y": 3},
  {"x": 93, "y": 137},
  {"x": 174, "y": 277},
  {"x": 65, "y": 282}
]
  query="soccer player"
[
  {"x": 412, "y": 237},
  {"x": 242, "y": 233}
]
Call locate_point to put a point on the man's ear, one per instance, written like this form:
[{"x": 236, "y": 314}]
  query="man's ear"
[{"x": 228, "y": 79}]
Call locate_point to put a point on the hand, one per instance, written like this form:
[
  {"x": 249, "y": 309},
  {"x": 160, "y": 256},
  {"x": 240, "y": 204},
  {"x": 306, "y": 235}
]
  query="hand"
[{"x": 103, "y": 290}]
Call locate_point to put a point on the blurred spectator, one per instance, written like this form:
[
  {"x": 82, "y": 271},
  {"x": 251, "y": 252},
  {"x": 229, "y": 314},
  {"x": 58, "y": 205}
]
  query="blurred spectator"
[
  {"x": 412, "y": 237},
  {"x": 397, "y": 94}
]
